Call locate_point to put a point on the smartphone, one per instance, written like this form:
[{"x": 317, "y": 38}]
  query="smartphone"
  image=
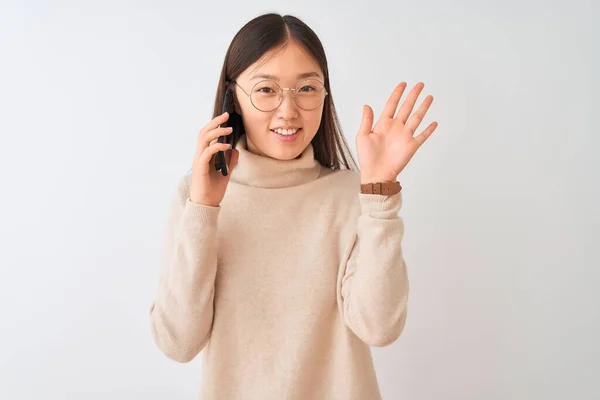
[{"x": 220, "y": 160}]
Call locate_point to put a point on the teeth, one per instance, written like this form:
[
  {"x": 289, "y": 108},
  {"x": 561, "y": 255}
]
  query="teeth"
[{"x": 286, "y": 132}]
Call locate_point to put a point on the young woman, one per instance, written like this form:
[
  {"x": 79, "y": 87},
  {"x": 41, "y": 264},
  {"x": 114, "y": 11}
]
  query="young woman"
[{"x": 289, "y": 267}]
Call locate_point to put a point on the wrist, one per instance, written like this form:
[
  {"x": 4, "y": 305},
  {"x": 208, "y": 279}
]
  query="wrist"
[{"x": 386, "y": 188}]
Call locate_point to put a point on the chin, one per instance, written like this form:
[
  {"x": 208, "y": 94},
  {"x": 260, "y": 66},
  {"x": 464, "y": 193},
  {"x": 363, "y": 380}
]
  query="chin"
[{"x": 287, "y": 155}]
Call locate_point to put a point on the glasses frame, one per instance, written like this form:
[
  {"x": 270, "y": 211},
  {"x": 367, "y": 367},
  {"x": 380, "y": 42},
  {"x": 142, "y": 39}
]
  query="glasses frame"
[{"x": 281, "y": 92}]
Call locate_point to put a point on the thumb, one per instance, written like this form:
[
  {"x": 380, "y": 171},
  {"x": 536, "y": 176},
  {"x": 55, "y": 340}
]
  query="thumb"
[{"x": 367, "y": 121}]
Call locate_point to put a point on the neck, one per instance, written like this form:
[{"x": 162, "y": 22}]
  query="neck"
[{"x": 261, "y": 171}]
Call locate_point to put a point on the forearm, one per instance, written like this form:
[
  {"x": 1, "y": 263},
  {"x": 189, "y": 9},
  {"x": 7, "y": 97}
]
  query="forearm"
[
  {"x": 182, "y": 313},
  {"x": 375, "y": 288}
]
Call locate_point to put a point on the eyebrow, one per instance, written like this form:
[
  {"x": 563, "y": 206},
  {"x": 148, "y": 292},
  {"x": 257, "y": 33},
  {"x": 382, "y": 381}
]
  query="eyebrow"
[{"x": 275, "y": 78}]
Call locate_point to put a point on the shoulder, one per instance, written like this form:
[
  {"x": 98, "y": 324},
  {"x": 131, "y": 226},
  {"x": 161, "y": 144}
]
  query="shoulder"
[
  {"x": 343, "y": 181},
  {"x": 343, "y": 188},
  {"x": 340, "y": 196}
]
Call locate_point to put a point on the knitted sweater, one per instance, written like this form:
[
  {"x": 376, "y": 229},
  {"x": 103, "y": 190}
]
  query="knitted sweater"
[{"x": 285, "y": 285}]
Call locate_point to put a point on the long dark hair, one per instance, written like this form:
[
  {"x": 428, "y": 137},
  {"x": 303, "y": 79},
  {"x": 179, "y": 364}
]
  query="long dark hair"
[{"x": 271, "y": 32}]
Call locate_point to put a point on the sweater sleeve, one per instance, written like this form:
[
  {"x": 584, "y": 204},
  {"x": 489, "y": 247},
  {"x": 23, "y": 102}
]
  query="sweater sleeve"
[
  {"x": 181, "y": 314},
  {"x": 374, "y": 286}
]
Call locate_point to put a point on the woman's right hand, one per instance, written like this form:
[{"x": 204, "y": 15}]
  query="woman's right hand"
[{"x": 208, "y": 185}]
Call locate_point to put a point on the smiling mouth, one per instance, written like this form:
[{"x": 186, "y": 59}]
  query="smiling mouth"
[
  {"x": 283, "y": 134},
  {"x": 287, "y": 138}
]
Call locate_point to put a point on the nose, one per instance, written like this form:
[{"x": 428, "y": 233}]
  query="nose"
[{"x": 288, "y": 109}]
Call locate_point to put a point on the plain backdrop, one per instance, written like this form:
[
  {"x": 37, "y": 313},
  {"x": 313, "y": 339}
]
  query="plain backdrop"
[{"x": 100, "y": 106}]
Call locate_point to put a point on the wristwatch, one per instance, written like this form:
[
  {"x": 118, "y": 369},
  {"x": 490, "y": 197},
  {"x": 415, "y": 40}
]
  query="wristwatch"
[{"x": 383, "y": 188}]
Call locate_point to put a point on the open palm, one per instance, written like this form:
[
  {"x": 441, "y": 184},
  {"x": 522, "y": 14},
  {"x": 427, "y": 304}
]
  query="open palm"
[{"x": 384, "y": 150}]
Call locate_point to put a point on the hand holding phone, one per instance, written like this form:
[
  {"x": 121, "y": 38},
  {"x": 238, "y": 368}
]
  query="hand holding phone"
[{"x": 208, "y": 185}]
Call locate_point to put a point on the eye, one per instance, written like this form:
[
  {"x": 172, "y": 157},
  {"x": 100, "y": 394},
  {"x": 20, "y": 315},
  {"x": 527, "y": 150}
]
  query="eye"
[
  {"x": 307, "y": 88},
  {"x": 265, "y": 90}
]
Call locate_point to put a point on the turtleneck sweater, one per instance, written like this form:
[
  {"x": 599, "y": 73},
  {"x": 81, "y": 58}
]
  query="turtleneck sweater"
[{"x": 285, "y": 285}]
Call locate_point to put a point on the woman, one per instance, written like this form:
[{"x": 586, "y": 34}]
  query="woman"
[{"x": 286, "y": 269}]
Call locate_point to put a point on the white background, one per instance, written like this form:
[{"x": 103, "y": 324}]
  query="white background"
[{"x": 100, "y": 105}]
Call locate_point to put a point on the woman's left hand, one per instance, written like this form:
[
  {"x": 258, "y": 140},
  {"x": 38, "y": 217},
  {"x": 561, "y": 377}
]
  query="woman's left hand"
[{"x": 385, "y": 150}]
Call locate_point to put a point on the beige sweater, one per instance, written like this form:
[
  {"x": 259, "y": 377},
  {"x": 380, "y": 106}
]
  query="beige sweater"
[{"x": 285, "y": 285}]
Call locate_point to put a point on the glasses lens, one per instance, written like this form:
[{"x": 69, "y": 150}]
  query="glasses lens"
[
  {"x": 265, "y": 95},
  {"x": 310, "y": 94}
]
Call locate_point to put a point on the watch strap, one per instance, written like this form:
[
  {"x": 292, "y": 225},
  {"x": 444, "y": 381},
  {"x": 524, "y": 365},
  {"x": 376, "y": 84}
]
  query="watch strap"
[{"x": 383, "y": 188}]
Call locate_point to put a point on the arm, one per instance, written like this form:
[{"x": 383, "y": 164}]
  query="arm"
[
  {"x": 182, "y": 312},
  {"x": 374, "y": 287}
]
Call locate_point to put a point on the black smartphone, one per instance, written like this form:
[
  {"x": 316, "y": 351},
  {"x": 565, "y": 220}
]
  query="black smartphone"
[{"x": 220, "y": 160}]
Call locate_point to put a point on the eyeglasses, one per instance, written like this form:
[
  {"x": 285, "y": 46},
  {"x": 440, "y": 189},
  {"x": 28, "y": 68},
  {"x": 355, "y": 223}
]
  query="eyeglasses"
[{"x": 267, "y": 95}]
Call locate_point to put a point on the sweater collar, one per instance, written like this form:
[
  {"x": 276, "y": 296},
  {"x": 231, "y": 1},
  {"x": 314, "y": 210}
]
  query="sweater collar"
[{"x": 266, "y": 172}]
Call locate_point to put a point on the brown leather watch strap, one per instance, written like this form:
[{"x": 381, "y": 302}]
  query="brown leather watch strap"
[{"x": 383, "y": 188}]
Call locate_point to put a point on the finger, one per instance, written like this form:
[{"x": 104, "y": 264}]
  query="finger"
[
  {"x": 215, "y": 122},
  {"x": 423, "y": 136},
  {"x": 416, "y": 119},
  {"x": 215, "y": 134},
  {"x": 206, "y": 156},
  {"x": 367, "y": 121},
  {"x": 409, "y": 103},
  {"x": 392, "y": 104},
  {"x": 207, "y": 139}
]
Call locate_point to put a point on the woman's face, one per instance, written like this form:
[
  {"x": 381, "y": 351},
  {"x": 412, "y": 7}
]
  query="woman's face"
[{"x": 286, "y": 68}]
